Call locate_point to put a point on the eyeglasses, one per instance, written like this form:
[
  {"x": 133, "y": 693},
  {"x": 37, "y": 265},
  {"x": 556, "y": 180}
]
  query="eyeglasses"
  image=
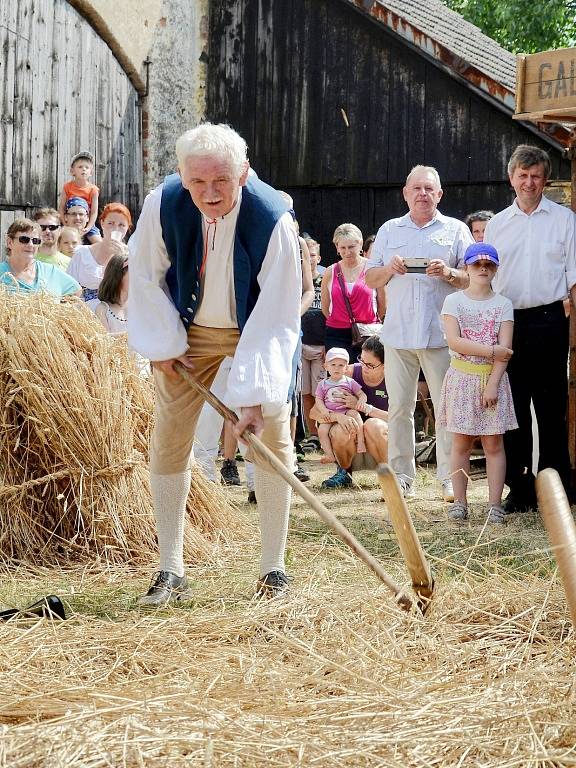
[
  {"x": 371, "y": 366},
  {"x": 51, "y": 227},
  {"x": 25, "y": 239}
]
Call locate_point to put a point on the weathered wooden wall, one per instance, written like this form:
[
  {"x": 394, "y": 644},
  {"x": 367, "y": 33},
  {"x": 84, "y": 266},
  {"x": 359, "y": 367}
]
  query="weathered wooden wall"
[
  {"x": 282, "y": 71},
  {"x": 62, "y": 90}
]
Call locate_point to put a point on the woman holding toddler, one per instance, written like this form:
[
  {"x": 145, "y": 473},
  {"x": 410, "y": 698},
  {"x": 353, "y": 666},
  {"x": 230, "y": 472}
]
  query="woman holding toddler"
[{"x": 368, "y": 372}]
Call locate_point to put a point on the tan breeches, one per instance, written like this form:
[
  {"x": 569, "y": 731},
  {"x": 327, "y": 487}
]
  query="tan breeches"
[{"x": 177, "y": 407}]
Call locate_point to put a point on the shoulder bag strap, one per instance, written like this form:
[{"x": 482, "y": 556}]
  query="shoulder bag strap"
[{"x": 344, "y": 290}]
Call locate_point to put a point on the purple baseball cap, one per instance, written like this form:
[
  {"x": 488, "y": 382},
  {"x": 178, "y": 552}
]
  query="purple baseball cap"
[{"x": 481, "y": 252}]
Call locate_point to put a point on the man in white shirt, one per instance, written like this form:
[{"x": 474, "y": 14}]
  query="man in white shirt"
[
  {"x": 412, "y": 334},
  {"x": 215, "y": 273},
  {"x": 536, "y": 241}
]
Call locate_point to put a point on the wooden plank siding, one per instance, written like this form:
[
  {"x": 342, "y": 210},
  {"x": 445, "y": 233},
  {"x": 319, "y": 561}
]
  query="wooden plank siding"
[
  {"x": 8, "y": 38},
  {"x": 62, "y": 91},
  {"x": 282, "y": 71}
]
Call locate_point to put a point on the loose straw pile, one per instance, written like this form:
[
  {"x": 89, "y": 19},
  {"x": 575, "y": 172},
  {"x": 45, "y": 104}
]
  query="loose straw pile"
[
  {"x": 76, "y": 418},
  {"x": 335, "y": 677}
]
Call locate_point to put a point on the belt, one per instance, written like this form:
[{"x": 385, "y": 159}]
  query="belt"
[
  {"x": 475, "y": 369},
  {"x": 541, "y": 310}
]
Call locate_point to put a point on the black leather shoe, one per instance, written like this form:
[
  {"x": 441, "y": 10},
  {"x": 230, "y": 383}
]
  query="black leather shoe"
[
  {"x": 49, "y": 607},
  {"x": 165, "y": 588},
  {"x": 273, "y": 584},
  {"x": 514, "y": 503},
  {"x": 252, "y": 497}
]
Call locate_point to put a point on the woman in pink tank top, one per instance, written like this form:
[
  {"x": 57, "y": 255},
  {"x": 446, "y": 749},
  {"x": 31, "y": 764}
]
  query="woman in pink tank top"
[{"x": 367, "y": 304}]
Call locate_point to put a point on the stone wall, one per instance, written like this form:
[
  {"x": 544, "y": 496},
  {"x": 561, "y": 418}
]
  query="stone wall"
[{"x": 161, "y": 45}]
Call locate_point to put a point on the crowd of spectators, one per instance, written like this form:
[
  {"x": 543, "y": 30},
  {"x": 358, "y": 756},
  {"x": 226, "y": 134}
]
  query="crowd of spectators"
[
  {"x": 375, "y": 323},
  {"x": 416, "y": 263}
]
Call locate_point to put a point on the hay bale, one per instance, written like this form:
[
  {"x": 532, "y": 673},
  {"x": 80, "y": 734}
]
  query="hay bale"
[{"x": 76, "y": 418}]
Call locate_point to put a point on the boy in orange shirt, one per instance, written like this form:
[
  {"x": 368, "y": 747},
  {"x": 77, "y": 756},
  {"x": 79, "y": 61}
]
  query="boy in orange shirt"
[{"x": 81, "y": 169}]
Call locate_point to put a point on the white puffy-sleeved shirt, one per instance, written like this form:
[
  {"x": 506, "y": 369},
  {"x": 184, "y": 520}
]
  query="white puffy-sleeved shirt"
[
  {"x": 414, "y": 301},
  {"x": 262, "y": 366},
  {"x": 537, "y": 253},
  {"x": 84, "y": 268}
]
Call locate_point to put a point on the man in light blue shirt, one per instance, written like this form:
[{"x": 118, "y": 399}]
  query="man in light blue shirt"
[{"x": 418, "y": 257}]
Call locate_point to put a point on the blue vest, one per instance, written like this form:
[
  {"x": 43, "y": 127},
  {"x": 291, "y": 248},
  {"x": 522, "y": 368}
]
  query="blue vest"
[{"x": 260, "y": 209}]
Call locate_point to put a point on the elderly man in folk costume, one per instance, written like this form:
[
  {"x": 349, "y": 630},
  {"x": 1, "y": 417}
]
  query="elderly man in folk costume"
[{"x": 215, "y": 272}]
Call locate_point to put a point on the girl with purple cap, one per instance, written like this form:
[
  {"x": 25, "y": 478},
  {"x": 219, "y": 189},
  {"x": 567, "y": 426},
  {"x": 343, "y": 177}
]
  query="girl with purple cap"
[{"x": 476, "y": 400}]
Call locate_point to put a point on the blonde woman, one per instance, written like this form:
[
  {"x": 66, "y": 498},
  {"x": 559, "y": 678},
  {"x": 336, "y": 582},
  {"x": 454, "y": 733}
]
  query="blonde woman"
[{"x": 348, "y": 274}]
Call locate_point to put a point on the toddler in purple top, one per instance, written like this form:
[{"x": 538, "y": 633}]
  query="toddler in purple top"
[{"x": 329, "y": 399}]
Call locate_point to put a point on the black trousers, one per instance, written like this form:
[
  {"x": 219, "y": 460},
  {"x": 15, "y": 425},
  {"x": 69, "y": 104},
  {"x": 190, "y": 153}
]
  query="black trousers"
[
  {"x": 341, "y": 337},
  {"x": 538, "y": 373}
]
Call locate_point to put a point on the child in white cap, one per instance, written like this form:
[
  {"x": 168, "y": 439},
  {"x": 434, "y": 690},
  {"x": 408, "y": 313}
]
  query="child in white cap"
[
  {"x": 331, "y": 394},
  {"x": 476, "y": 400}
]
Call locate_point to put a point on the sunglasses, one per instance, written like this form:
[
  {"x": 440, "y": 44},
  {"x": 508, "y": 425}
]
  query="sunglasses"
[
  {"x": 368, "y": 365},
  {"x": 51, "y": 227},
  {"x": 25, "y": 239}
]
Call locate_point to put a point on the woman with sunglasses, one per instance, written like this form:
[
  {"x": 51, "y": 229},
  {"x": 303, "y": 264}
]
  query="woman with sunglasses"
[
  {"x": 22, "y": 272},
  {"x": 368, "y": 371}
]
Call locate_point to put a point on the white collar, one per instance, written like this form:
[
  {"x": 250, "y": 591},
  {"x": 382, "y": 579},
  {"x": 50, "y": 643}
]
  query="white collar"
[
  {"x": 407, "y": 221},
  {"x": 544, "y": 206}
]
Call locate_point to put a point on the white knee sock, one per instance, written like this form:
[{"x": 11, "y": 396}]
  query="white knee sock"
[
  {"x": 273, "y": 495},
  {"x": 169, "y": 493}
]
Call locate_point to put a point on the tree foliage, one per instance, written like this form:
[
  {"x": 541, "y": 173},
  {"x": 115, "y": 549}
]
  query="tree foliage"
[{"x": 522, "y": 26}]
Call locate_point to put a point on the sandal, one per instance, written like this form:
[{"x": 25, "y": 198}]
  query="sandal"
[
  {"x": 496, "y": 514},
  {"x": 458, "y": 511}
]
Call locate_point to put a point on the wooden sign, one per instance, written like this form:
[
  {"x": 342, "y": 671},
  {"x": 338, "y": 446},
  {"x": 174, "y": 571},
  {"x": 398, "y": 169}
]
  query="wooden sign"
[{"x": 546, "y": 86}]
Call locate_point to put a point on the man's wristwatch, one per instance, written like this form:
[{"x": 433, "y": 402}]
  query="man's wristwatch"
[{"x": 453, "y": 274}]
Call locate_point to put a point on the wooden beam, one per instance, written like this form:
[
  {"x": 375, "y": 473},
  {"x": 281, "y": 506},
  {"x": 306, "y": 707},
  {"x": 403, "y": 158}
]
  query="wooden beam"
[
  {"x": 567, "y": 115},
  {"x": 520, "y": 78}
]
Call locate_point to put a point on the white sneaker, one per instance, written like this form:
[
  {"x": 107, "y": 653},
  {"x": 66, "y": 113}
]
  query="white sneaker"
[
  {"x": 447, "y": 490},
  {"x": 407, "y": 490}
]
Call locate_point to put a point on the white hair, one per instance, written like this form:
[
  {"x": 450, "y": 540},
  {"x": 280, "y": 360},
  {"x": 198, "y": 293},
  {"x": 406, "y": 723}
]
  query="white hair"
[
  {"x": 424, "y": 169},
  {"x": 220, "y": 141},
  {"x": 347, "y": 232}
]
